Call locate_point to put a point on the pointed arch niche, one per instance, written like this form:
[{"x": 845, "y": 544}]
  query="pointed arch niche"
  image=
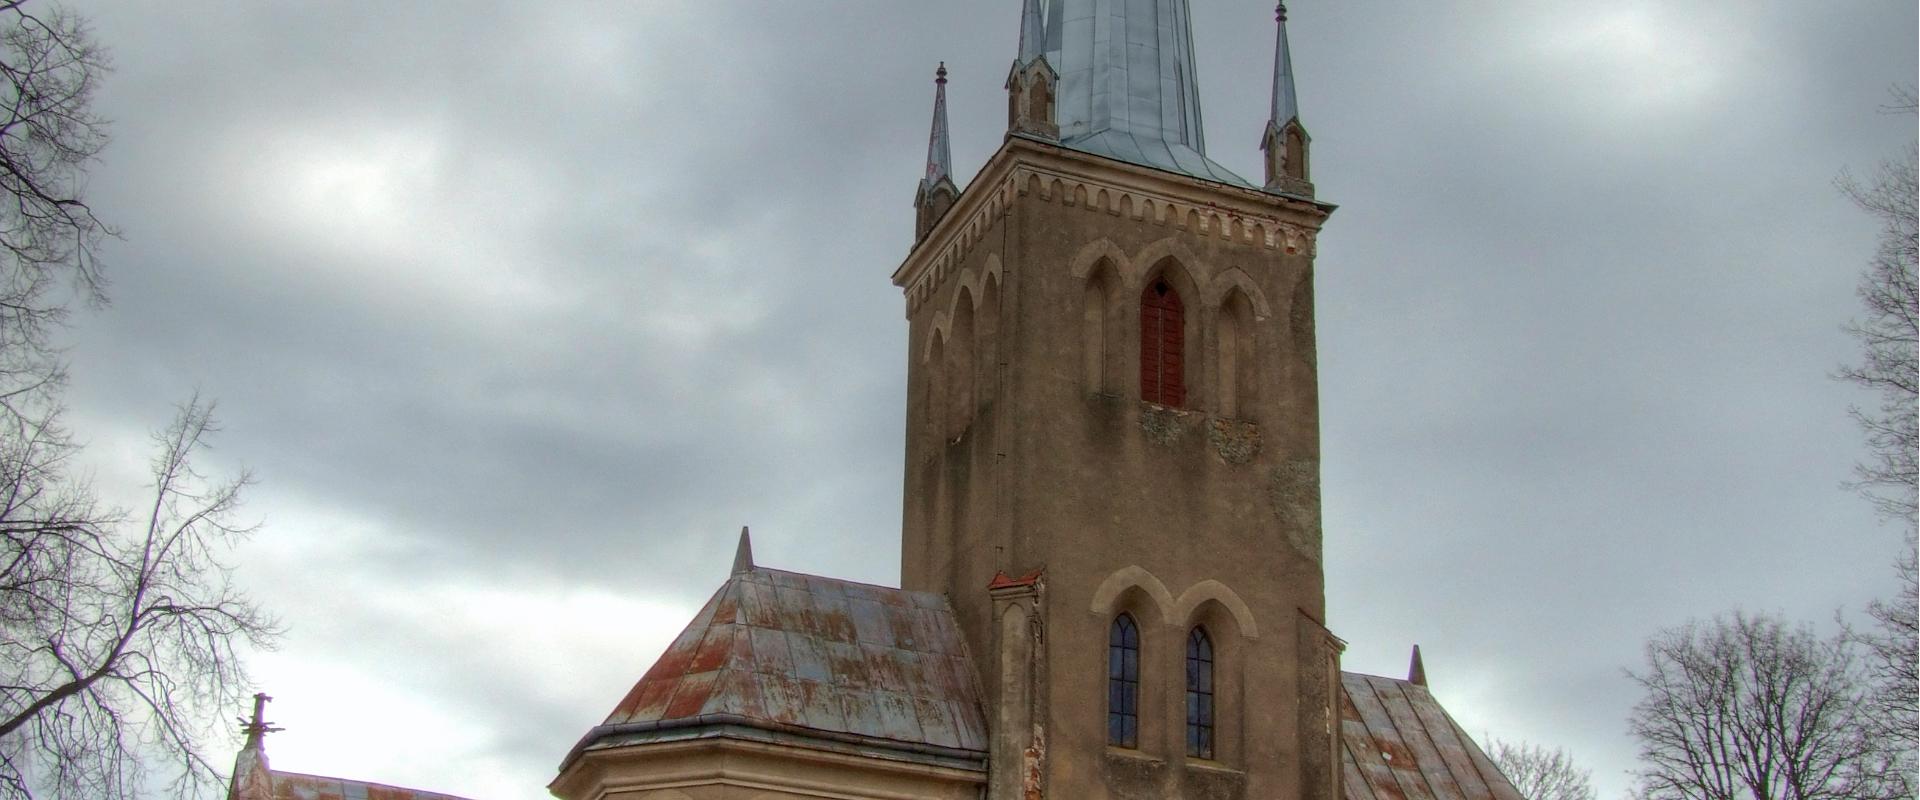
[
  {"x": 1238, "y": 373},
  {"x": 958, "y": 367},
  {"x": 1099, "y": 339}
]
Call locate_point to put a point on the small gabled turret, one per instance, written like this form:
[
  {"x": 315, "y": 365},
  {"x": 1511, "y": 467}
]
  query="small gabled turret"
[
  {"x": 937, "y": 191},
  {"x": 1032, "y": 83},
  {"x": 1286, "y": 141}
]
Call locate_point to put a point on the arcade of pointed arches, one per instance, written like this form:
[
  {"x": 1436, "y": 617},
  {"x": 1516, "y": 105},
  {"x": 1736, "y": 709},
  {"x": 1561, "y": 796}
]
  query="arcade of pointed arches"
[
  {"x": 1143, "y": 623},
  {"x": 1180, "y": 304}
]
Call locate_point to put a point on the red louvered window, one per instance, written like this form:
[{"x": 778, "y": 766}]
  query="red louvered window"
[{"x": 1162, "y": 346}]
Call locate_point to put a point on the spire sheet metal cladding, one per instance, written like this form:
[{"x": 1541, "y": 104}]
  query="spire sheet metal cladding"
[
  {"x": 939, "y": 147},
  {"x": 1127, "y": 88},
  {"x": 1286, "y": 104}
]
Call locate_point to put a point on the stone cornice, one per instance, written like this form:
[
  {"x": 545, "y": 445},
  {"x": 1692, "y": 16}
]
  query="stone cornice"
[{"x": 1055, "y": 174}]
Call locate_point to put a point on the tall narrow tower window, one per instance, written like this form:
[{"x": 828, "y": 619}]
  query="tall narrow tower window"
[
  {"x": 1123, "y": 683},
  {"x": 1162, "y": 345},
  {"x": 1199, "y": 694}
]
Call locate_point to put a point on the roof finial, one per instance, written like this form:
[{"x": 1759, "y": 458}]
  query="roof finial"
[
  {"x": 743, "y": 555},
  {"x": 1286, "y": 104},
  {"x": 1033, "y": 37},
  {"x": 939, "y": 152},
  {"x": 257, "y": 728},
  {"x": 1416, "y": 671}
]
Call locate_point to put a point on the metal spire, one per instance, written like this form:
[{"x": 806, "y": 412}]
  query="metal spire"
[
  {"x": 1286, "y": 104},
  {"x": 1127, "y": 84},
  {"x": 1033, "y": 43},
  {"x": 939, "y": 154},
  {"x": 1416, "y": 669}
]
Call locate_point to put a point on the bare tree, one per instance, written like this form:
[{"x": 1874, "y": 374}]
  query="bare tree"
[
  {"x": 118, "y": 631},
  {"x": 49, "y": 237},
  {"x": 1889, "y": 332},
  {"x": 1748, "y": 707},
  {"x": 1540, "y": 773},
  {"x": 1890, "y": 340}
]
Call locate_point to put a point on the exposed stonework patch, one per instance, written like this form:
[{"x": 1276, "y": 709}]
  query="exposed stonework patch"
[
  {"x": 1236, "y": 441},
  {"x": 1294, "y": 488},
  {"x": 1300, "y": 321},
  {"x": 1203, "y": 783},
  {"x": 1163, "y": 425},
  {"x": 1130, "y": 777}
]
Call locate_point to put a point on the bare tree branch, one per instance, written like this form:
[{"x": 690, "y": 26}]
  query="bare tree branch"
[
  {"x": 1540, "y": 773},
  {"x": 1748, "y": 707}
]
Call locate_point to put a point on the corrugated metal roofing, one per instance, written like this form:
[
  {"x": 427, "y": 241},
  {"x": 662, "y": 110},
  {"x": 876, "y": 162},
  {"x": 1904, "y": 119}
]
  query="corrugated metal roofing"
[
  {"x": 1401, "y": 745},
  {"x": 794, "y": 653},
  {"x": 295, "y": 786}
]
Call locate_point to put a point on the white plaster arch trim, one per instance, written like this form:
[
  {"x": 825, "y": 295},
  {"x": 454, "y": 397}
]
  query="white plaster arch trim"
[
  {"x": 1132, "y": 577},
  {"x": 991, "y": 270},
  {"x": 938, "y": 334},
  {"x": 1151, "y": 255},
  {"x": 1090, "y": 254},
  {"x": 1216, "y": 291},
  {"x": 1210, "y": 589},
  {"x": 970, "y": 281}
]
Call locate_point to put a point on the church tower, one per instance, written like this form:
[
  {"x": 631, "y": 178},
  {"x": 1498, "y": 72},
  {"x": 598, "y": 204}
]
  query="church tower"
[{"x": 1113, "y": 454}]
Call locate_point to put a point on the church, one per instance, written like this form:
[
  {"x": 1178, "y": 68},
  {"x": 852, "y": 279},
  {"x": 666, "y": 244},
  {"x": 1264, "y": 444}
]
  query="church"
[{"x": 1111, "y": 576}]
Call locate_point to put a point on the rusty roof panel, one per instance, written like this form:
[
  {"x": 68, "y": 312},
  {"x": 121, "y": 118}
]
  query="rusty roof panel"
[
  {"x": 793, "y": 651},
  {"x": 296, "y": 786},
  {"x": 1400, "y": 744}
]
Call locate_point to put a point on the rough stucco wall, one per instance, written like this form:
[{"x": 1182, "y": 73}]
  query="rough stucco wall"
[{"x": 1051, "y": 472}]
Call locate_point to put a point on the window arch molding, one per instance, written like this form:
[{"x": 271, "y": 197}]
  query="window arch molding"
[
  {"x": 1189, "y": 607},
  {"x": 1109, "y": 598},
  {"x": 1228, "y": 642}
]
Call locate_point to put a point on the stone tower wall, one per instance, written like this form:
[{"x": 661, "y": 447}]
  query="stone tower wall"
[{"x": 1029, "y": 448}]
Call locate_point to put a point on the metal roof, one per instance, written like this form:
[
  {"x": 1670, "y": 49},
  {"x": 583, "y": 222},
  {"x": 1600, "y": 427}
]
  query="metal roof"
[
  {"x": 939, "y": 146},
  {"x": 1128, "y": 88},
  {"x": 1286, "y": 102},
  {"x": 816, "y": 657},
  {"x": 1399, "y": 744},
  {"x": 295, "y": 786}
]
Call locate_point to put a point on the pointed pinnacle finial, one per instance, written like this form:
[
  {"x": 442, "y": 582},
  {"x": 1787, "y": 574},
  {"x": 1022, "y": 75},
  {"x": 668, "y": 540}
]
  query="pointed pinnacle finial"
[
  {"x": 1033, "y": 37},
  {"x": 1416, "y": 670},
  {"x": 743, "y": 555},
  {"x": 939, "y": 151},
  {"x": 1286, "y": 104}
]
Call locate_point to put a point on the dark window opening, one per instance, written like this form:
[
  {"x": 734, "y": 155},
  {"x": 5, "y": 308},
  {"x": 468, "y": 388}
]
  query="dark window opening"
[
  {"x": 1123, "y": 683},
  {"x": 1199, "y": 694}
]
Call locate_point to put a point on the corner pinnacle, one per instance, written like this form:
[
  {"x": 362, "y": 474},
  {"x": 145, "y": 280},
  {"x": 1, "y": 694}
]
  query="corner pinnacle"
[
  {"x": 1416, "y": 671},
  {"x": 743, "y": 556}
]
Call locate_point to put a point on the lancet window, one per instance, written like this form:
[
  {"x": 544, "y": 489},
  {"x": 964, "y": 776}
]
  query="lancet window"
[
  {"x": 1199, "y": 694},
  {"x": 1123, "y": 683}
]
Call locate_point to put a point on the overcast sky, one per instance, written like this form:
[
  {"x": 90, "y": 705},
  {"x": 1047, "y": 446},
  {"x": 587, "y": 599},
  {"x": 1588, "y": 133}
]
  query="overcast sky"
[{"x": 519, "y": 312}]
